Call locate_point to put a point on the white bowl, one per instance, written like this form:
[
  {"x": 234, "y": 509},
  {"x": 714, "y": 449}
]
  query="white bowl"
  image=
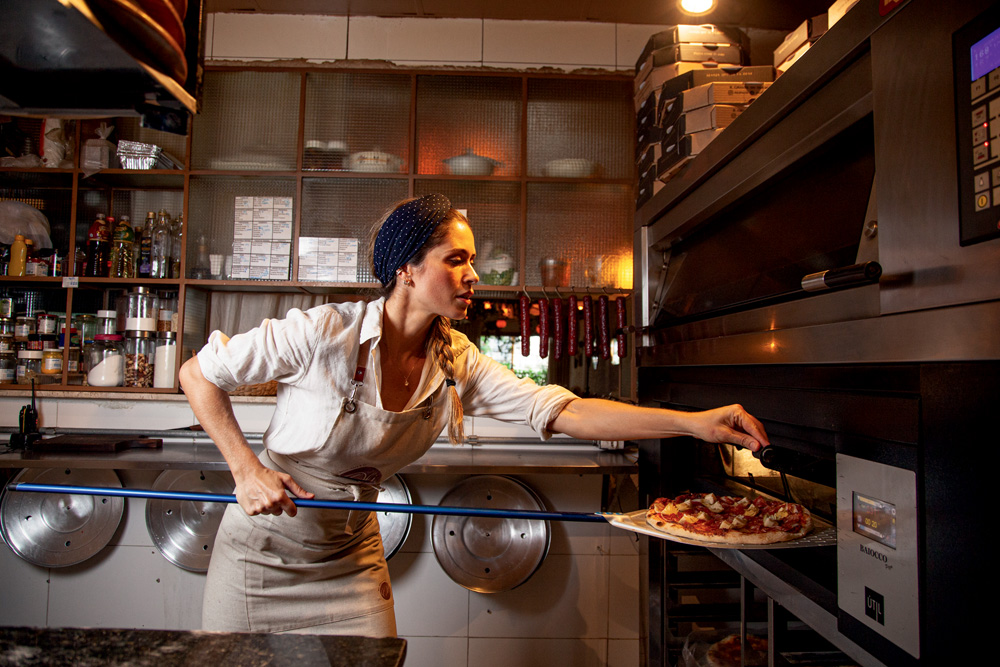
[{"x": 569, "y": 168}]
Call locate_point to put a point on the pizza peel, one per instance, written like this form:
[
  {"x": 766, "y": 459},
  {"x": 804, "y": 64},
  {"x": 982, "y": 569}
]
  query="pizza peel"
[{"x": 823, "y": 534}]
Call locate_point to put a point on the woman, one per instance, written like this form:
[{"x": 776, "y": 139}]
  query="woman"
[{"x": 363, "y": 390}]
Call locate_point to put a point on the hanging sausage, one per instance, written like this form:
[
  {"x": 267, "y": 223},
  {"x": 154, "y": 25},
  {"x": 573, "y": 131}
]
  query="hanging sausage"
[
  {"x": 557, "y": 327},
  {"x": 588, "y": 326},
  {"x": 525, "y": 317},
  {"x": 571, "y": 325},
  {"x": 603, "y": 328},
  {"x": 543, "y": 327},
  {"x": 620, "y": 332}
]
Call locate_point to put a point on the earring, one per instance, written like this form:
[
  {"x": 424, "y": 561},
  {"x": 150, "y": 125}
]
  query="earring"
[{"x": 408, "y": 281}]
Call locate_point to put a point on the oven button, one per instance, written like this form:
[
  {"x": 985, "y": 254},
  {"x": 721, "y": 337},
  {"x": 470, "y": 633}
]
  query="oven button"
[
  {"x": 996, "y": 175},
  {"x": 982, "y": 201},
  {"x": 978, "y": 87},
  {"x": 979, "y": 135},
  {"x": 982, "y": 181},
  {"x": 979, "y": 115}
]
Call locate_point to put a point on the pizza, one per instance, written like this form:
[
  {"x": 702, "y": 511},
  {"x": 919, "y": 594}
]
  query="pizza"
[
  {"x": 729, "y": 519},
  {"x": 726, "y": 652}
]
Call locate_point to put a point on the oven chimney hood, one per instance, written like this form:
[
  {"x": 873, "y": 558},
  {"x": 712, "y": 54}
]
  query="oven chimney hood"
[{"x": 94, "y": 58}]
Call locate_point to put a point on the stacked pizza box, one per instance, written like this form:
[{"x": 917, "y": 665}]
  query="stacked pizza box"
[
  {"x": 672, "y": 61},
  {"x": 797, "y": 42},
  {"x": 262, "y": 238}
]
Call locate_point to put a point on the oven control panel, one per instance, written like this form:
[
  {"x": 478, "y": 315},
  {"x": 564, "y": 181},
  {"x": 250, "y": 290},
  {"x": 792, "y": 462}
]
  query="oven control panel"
[
  {"x": 976, "y": 60},
  {"x": 877, "y": 560}
]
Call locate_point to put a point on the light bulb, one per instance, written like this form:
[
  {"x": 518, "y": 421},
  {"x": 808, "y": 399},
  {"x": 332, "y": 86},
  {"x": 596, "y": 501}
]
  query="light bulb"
[{"x": 696, "y": 7}]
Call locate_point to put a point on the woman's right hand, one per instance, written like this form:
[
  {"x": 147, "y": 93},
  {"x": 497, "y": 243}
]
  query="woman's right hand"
[{"x": 262, "y": 491}]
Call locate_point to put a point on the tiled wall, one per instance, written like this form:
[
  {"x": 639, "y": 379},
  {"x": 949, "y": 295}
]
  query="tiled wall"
[{"x": 421, "y": 42}]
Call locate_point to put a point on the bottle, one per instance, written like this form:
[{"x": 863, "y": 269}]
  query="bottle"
[
  {"x": 200, "y": 270},
  {"x": 98, "y": 247},
  {"x": 122, "y": 244},
  {"x": 161, "y": 247},
  {"x": 146, "y": 246},
  {"x": 176, "y": 234},
  {"x": 18, "y": 257},
  {"x": 29, "y": 257}
]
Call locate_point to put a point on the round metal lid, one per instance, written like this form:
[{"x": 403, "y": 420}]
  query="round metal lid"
[
  {"x": 395, "y": 526},
  {"x": 60, "y": 529},
  {"x": 490, "y": 555},
  {"x": 184, "y": 530}
]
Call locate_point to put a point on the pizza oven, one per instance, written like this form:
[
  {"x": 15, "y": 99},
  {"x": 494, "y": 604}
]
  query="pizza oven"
[{"x": 876, "y": 389}]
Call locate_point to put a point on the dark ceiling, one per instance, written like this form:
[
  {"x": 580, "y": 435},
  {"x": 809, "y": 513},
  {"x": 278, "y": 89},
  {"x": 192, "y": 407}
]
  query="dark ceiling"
[{"x": 764, "y": 14}]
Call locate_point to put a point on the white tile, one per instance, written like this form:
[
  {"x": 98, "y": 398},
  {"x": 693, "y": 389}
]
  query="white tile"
[
  {"x": 566, "y": 598},
  {"x": 132, "y": 530},
  {"x": 126, "y": 587},
  {"x": 572, "y": 493},
  {"x": 418, "y": 40},
  {"x": 47, "y": 407},
  {"x": 428, "y": 603},
  {"x": 623, "y": 598},
  {"x": 152, "y": 415},
  {"x": 631, "y": 40},
  {"x": 552, "y": 42},
  {"x": 253, "y": 417},
  {"x": 25, "y": 591},
  {"x": 436, "y": 651},
  {"x": 523, "y": 652},
  {"x": 276, "y": 36},
  {"x": 623, "y": 653}
]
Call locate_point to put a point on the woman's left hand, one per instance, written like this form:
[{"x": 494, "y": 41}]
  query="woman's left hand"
[{"x": 730, "y": 424}]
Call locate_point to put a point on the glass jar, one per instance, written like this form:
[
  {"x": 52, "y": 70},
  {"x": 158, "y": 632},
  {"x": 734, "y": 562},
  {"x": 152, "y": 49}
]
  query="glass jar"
[
  {"x": 73, "y": 360},
  {"x": 52, "y": 361},
  {"x": 6, "y": 343},
  {"x": 45, "y": 324},
  {"x": 6, "y": 326},
  {"x": 106, "y": 323},
  {"x": 24, "y": 326},
  {"x": 49, "y": 342},
  {"x": 86, "y": 323},
  {"x": 8, "y": 367},
  {"x": 29, "y": 366},
  {"x": 141, "y": 308},
  {"x": 165, "y": 361},
  {"x": 106, "y": 361},
  {"x": 140, "y": 356}
]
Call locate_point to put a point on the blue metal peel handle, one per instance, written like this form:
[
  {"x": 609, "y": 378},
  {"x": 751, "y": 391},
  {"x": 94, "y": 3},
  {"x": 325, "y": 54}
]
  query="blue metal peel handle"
[{"x": 25, "y": 487}]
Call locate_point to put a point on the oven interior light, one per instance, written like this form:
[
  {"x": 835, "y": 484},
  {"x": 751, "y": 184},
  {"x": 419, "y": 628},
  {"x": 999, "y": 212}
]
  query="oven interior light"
[{"x": 697, "y": 7}]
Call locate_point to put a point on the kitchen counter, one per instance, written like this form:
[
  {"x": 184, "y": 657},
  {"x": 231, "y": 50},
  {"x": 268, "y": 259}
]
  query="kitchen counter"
[
  {"x": 497, "y": 456},
  {"x": 163, "y": 648}
]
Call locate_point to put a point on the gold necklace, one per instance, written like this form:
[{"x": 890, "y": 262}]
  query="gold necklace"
[{"x": 406, "y": 379}]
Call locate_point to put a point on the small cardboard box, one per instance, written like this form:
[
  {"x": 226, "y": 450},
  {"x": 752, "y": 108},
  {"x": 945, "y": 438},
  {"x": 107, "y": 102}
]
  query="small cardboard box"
[
  {"x": 709, "y": 118},
  {"x": 698, "y": 34},
  {"x": 725, "y": 92}
]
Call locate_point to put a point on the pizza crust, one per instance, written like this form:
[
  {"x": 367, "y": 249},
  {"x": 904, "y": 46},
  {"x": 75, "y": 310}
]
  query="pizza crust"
[{"x": 726, "y": 652}]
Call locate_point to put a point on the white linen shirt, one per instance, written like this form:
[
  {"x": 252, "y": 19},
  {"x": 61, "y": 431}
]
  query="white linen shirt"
[{"x": 313, "y": 355}]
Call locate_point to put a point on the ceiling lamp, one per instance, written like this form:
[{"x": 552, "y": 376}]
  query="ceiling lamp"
[{"x": 696, "y": 7}]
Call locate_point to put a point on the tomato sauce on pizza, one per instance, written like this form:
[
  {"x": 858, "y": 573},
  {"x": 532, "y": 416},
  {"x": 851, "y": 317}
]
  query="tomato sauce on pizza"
[{"x": 729, "y": 519}]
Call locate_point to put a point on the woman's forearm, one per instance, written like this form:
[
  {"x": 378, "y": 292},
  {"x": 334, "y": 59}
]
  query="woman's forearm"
[
  {"x": 214, "y": 411},
  {"x": 598, "y": 419}
]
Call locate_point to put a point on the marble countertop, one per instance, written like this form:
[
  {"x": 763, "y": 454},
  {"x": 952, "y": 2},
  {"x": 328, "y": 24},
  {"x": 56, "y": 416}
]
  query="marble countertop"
[{"x": 23, "y": 647}]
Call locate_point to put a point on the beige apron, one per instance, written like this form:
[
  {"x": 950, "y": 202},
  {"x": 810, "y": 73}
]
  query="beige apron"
[{"x": 322, "y": 570}]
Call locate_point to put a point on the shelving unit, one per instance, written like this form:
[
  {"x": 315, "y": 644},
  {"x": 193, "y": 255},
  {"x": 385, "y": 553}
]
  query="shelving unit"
[{"x": 291, "y": 132}]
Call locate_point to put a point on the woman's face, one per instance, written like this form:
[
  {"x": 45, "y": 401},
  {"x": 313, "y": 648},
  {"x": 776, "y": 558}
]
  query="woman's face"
[{"x": 442, "y": 282}]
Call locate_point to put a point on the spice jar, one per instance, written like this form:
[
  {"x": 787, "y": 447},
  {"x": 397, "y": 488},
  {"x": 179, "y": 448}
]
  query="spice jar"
[
  {"x": 73, "y": 366},
  {"x": 87, "y": 324},
  {"x": 45, "y": 324},
  {"x": 29, "y": 366},
  {"x": 140, "y": 353},
  {"x": 8, "y": 367},
  {"x": 24, "y": 326},
  {"x": 165, "y": 361},
  {"x": 52, "y": 361},
  {"x": 106, "y": 361}
]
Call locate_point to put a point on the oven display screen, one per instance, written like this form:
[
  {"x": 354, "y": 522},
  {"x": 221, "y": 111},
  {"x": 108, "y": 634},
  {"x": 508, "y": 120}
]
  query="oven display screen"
[
  {"x": 985, "y": 54},
  {"x": 875, "y": 519}
]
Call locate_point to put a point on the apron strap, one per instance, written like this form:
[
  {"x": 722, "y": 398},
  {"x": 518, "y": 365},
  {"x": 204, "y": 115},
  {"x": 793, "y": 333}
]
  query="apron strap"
[{"x": 359, "y": 374}]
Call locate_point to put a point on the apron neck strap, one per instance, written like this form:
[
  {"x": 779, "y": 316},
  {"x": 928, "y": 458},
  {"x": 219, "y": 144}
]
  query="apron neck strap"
[{"x": 359, "y": 374}]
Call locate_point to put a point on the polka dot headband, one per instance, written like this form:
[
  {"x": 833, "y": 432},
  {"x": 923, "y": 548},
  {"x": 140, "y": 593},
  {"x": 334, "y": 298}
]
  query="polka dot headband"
[{"x": 405, "y": 231}]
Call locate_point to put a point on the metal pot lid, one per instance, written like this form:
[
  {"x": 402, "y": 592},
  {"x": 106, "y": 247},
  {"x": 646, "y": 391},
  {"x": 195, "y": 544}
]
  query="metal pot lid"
[
  {"x": 394, "y": 526},
  {"x": 184, "y": 530},
  {"x": 60, "y": 529},
  {"x": 490, "y": 555}
]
